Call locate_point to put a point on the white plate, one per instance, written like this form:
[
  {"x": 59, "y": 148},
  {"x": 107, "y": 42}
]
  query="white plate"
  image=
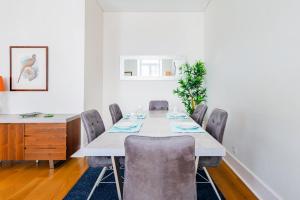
[
  {"x": 177, "y": 114},
  {"x": 127, "y": 116},
  {"x": 187, "y": 125},
  {"x": 125, "y": 125}
]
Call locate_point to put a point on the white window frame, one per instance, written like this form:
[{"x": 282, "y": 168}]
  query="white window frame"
[{"x": 178, "y": 59}]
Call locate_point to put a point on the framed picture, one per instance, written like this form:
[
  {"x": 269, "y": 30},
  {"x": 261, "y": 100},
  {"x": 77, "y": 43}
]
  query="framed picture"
[{"x": 28, "y": 68}]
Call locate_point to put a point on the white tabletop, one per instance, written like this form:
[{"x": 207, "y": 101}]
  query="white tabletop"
[
  {"x": 57, "y": 118},
  {"x": 156, "y": 124}
]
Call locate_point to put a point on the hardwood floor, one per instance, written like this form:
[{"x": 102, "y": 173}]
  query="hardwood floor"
[
  {"x": 230, "y": 184},
  {"x": 25, "y": 180}
]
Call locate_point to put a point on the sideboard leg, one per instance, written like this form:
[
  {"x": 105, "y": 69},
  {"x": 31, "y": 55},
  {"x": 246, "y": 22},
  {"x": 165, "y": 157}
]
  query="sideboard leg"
[{"x": 51, "y": 164}]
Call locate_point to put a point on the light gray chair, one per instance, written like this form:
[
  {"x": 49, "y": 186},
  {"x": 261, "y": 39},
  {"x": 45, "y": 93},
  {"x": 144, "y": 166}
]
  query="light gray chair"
[
  {"x": 94, "y": 127},
  {"x": 158, "y": 105},
  {"x": 160, "y": 168},
  {"x": 115, "y": 112},
  {"x": 116, "y": 115},
  {"x": 215, "y": 127},
  {"x": 199, "y": 113}
]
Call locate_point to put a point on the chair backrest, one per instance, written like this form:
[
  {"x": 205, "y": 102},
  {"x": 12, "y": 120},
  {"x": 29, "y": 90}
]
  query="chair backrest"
[
  {"x": 93, "y": 124},
  {"x": 158, "y": 105},
  {"x": 160, "y": 168},
  {"x": 216, "y": 124},
  {"x": 199, "y": 113},
  {"x": 115, "y": 112}
]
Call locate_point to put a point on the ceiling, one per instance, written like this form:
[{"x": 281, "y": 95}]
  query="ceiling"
[{"x": 154, "y": 5}]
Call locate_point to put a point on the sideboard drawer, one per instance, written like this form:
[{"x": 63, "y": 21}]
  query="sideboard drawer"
[
  {"x": 47, "y": 140},
  {"x": 45, "y": 135},
  {"x": 32, "y": 153},
  {"x": 45, "y": 128}
]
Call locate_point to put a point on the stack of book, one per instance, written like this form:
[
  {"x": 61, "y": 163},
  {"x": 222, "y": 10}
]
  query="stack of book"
[{"x": 29, "y": 115}]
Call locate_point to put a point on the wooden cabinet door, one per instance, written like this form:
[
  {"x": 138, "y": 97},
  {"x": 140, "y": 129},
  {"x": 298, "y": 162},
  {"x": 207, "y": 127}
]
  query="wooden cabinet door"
[
  {"x": 16, "y": 141},
  {"x": 11, "y": 141},
  {"x": 3, "y": 142}
]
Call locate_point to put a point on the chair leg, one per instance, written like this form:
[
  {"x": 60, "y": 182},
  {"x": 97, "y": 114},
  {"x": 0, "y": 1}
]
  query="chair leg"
[
  {"x": 97, "y": 182},
  {"x": 212, "y": 183},
  {"x": 207, "y": 181}
]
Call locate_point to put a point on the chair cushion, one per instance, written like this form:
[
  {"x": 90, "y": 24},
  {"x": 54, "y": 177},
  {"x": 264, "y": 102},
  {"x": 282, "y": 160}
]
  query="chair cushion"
[
  {"x": 216, "y": 124},
  {"x": 158, "y": 105},
  {"x": 93, "y": 124},
  {"x": 199, "y": 113},
  {"x": 215, "y": 127},
  {"x": 115, "y": 112},
  {"x": 99, "y": 161},
  {"x": 159, "y": 168},
  {"x": 94, "y": 127}
]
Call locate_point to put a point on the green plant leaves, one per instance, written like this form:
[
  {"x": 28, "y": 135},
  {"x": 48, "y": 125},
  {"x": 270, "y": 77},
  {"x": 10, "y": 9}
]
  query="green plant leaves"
[{"x": 191, "y": 85}]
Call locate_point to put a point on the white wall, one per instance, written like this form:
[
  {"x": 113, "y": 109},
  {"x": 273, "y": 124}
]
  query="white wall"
[
  {"x": 93, "y": 56},
  {"x": 93, "y": 59},
  {"x": 58, "y": 24},
  {"x": 146, "y": 33},
  {"x": 252, "y": 54}
]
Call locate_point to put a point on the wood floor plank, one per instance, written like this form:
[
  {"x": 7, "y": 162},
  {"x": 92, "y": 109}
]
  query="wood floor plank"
[
  {"x": 230, "y": 184},
  {"x": 26, "y": 181}
]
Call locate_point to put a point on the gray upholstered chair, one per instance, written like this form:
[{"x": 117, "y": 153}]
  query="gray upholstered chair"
[
  {"x": 158, "y": 105},
  {"x": 199, "y": 113},
  {"x": 94, "y": 127},
  {"x": 115, "y": 112},
  {"x": 215, "y": 127},
  {"x": 160, "y": 168},
  {"x": 116, "y": 115}
]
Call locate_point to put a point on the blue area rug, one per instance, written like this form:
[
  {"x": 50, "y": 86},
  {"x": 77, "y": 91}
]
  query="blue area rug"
[{"x": 108, "y": 191}]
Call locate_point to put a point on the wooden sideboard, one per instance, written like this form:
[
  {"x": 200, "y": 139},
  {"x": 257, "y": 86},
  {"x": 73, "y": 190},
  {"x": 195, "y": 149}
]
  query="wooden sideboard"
[{"x": 39, "y": 138}]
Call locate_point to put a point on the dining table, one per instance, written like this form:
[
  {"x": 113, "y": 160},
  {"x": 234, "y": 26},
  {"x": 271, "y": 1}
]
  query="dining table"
[{"x": 154, "y": 124}]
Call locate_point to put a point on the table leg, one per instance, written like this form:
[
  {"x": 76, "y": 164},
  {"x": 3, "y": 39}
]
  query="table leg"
[
  {"x": 196, "y": 164},
  {"x": 196, "y": 168},
  {"x": 117, "y": 174},
  {"x": 212, "y": 183}
]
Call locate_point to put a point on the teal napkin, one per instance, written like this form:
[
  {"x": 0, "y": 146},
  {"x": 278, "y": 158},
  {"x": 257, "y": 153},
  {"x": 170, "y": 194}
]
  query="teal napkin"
[
  {"x": 135, "y": 116},
  {"x": 176, "y": 129},
  {"x": 177, "y": 116},
  {"x": 133, "y": 129}
]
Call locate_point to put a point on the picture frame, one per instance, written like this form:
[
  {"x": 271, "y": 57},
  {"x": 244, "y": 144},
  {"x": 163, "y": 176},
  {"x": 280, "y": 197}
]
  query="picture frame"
[{"x": 28, "y": 68}]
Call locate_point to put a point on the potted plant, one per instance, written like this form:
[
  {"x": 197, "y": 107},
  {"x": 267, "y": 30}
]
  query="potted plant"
[{"x": 191, "y": 87}]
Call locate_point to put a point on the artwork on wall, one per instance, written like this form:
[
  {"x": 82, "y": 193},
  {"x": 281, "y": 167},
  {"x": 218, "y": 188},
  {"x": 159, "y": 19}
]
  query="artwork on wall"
[{"x": 29, "y": 68}]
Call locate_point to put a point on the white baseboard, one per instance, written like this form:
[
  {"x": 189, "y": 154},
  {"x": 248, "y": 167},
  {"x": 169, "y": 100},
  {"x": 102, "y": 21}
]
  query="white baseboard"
[{"x": 254, "y": 183}]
